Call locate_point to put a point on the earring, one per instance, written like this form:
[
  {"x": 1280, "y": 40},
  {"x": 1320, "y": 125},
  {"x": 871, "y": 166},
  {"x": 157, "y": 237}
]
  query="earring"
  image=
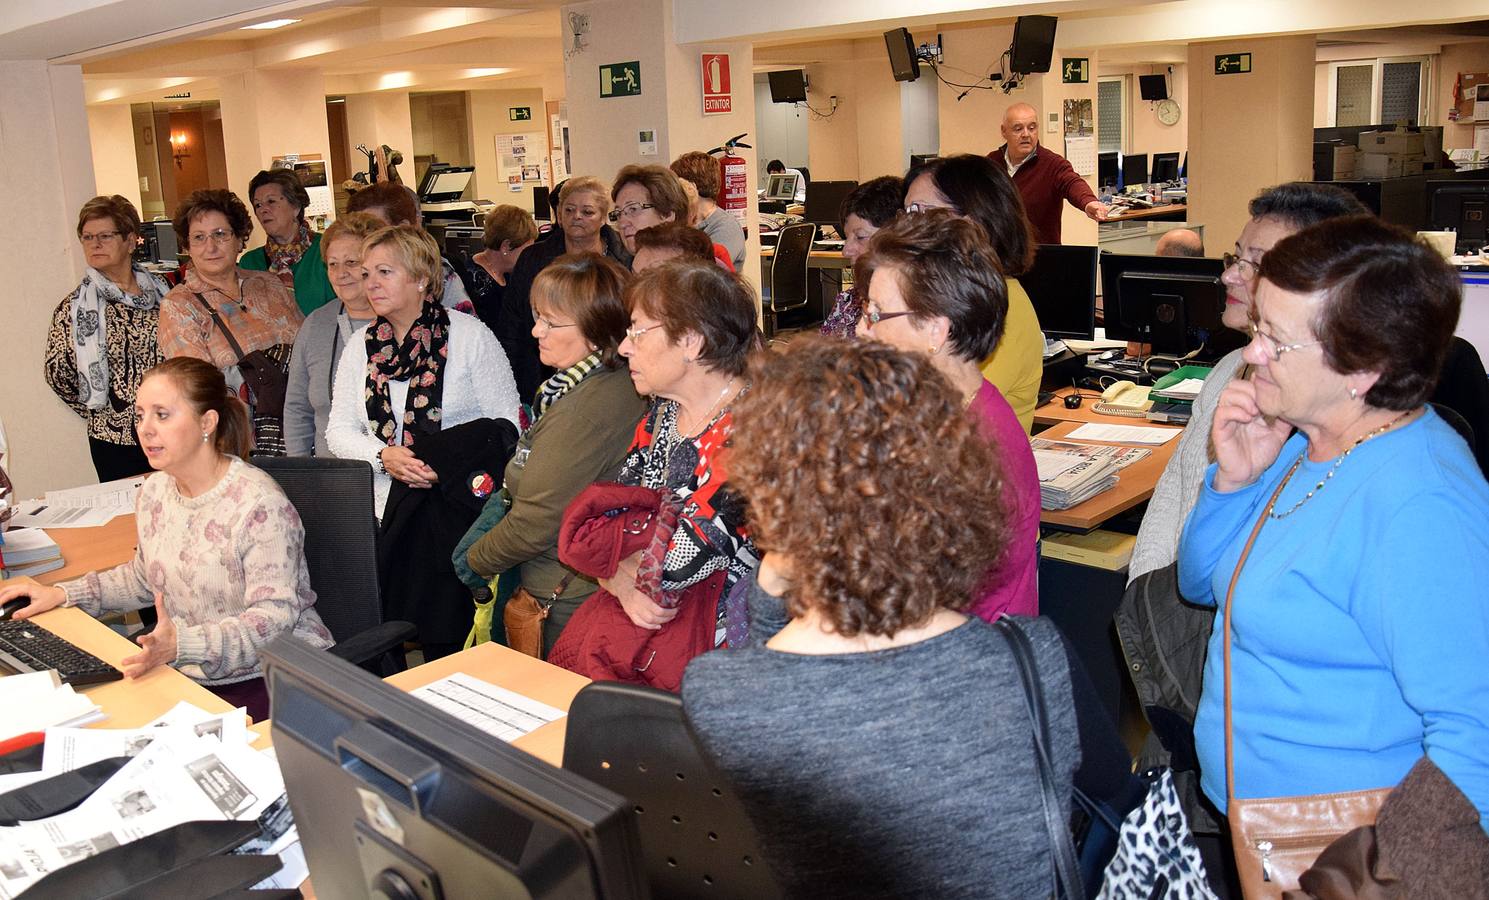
[
  {"x": 933, "y": 348},
  {"x": 206, "y": 436},
  {"x": 1353, "y": 394}
]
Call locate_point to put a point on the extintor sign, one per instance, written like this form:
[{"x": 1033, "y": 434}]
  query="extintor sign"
[{"x": 717, "y": 96}]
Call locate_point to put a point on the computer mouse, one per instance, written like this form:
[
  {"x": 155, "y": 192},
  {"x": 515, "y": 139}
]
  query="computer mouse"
[
  {"x": 1072, "y": 401},
  {"x": 11, "y": 606}
]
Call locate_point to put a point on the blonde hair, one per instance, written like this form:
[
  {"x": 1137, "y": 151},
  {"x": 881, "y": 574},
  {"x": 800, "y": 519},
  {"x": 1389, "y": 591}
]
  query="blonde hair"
[
  {"x": 508, "y": 223},
  {"x": 357, "y": 225},
  {"x": 415, "y": 251},
  {"x": 586, "y": 184}
]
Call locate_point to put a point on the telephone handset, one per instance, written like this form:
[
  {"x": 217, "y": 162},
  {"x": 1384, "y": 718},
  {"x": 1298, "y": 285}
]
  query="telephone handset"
[{"x": 1124, "y": 398}]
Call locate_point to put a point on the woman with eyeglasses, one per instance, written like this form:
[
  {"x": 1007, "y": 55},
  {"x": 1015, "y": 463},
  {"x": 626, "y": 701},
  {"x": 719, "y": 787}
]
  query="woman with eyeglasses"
[
  {"x": 585, "y": 415},
  {"x": 103, "y": 336},
  {"x": 647, "y": 196},
  {"x": 222, "y": 313},
  {"x": 583, "y": 207}
]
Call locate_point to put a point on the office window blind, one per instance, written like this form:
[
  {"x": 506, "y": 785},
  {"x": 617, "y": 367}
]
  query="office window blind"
[
  {"x": 1352, "y": 89},
  {"x": 1109, "y": 109},
  {"x": 1400, "y": 91}
]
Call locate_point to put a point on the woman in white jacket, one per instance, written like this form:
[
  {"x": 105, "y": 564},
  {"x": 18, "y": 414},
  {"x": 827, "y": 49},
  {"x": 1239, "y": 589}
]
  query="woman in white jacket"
[{"x": 413, "y": 370}]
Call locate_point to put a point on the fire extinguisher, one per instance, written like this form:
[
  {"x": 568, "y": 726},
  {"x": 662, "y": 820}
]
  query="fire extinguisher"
[{"x": 734, "y": 191}]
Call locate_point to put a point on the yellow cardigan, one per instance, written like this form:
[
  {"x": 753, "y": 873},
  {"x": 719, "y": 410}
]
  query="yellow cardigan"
[{"x": 1017, "y": 365}]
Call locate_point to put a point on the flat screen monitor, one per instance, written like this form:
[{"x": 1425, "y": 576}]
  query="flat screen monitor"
[
  {"x": 1108, "y": 169},
  {"x": 1461, "y": 206},
  {"x": 788, "y": 86},
  {"x": 1062, "y": 286},
  {"x": 395, "y": 798},
  {"x": 1033, "y": 43},
  {"x": 1153, "y": 87},
  {"x": 781, "y": 186},
  {"x": 1165, "y": 167},
  {"x": 444, "y": 184},
  {"x": 542, "y": 210},
  {"x": 825, "y": 201},
  {"x": 1473, "y": 319},
  {"x": 1134, "y": 169},
  {"x": 461, "y": 242},
  {"x": 902, "y": 60},
  {"x": 1171, "y": 302},
  {"x": 160, "y": 243},
  {"x": 1184, "y": 168}
]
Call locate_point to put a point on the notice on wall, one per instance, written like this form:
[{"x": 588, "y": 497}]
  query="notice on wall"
[
  {"x": 1080, "y": 120},
  {"x": 1481, "y": 140},
  {"x": 1081, "y": 152},
  {"x": 718, "y": 97},
  {"x": 519, "y": 160}
]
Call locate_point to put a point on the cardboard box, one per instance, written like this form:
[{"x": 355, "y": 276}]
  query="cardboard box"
[
  {"x": 1408, "y": 143},
  {"x": 1386, "y": 165},
  {"x": 1100, "y": 549}
]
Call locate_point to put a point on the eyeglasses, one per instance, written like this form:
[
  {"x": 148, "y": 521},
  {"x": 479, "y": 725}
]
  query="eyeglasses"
[
  {"x": 635, "y": 333},
  {"x": 629, "y": 211},
  {"x": 548, "y": 324},
  {"x": 1274, "y": 349},
  {"x": 220, "y": 236},
  {"x": 103, "y": 237},
  {"x": 1249, "y": 269},
  {"x": 874, "y": 317}
]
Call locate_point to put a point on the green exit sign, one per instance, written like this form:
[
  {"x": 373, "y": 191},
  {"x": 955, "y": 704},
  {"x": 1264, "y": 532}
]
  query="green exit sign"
[
  {"x": 1075, "y": 70},
  {"x": 620, "y": 79},
  {"x": 519, "y": 113},
  {"x": 1233, "y": 64}
]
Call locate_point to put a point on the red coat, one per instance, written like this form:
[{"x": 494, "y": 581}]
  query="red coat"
[
  {"x": 1045, "y": 183},
  {"x": 606, "y": 523}
]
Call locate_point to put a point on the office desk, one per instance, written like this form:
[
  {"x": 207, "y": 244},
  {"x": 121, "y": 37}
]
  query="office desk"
[
  {"x": 823, "y": 290},
  {"x": 87, "y": 549},
  {"x": 1134, "y": 483},
  {"x": 1054, "y": 412},
  {"x": 1171, "y": 212}
]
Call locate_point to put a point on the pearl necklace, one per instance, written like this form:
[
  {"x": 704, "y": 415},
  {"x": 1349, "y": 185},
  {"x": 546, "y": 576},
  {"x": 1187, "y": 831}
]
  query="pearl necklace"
[{"x": 1337, "y": 463}]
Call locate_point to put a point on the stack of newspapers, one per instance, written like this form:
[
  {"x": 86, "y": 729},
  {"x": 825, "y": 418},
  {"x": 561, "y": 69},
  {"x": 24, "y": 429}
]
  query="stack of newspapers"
[{"x": 1071, "y": 473}]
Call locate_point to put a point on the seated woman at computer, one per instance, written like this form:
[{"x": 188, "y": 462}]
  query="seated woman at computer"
[
  {"x": 691, "y": 336},
  {"x": 932, "y": 286},
  {"x": 974, "y": 187},
  {"x": 1345, "y": 528},
  {"x": 221, "y": 550},
  {"x": 416, "y": 369},
  {"x": 866, "y": 209},
  {"x": 291, "y": 249},
  {"x": 585, "y": 415},
  {"x": 879, "y": 742},
  {"x": 102, "y": 338}
]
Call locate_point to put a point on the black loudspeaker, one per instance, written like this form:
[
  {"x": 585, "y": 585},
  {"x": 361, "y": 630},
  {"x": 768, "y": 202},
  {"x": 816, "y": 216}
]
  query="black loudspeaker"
[{"x": 1033, "y": 44}]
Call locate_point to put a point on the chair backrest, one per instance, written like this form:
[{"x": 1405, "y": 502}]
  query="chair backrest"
[
  {"x": 334, "y": 500},
  {"x": 1454, "y": 418},
  {"x": 695, "y": 836},
  {"x": 788, "y": 268}
]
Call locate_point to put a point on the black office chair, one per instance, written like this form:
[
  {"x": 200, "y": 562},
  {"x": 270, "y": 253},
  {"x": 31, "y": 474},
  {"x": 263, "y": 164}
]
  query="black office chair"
[
  {"x": 695, "y": 836},
  {"x": 788, "y": 272},
  {"x": 334, "y": 500}
]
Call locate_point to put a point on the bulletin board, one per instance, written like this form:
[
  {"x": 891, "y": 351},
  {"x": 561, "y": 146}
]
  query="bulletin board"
[{"x": 522, "y": 161}]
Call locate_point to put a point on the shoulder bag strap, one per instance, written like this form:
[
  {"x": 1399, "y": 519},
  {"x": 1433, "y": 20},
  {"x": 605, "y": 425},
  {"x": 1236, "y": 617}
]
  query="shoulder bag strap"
[
  {"x": 1062, "y": 849},
  {"x": 1230, "y": 595},
  {"x": 221, "y": 325}
]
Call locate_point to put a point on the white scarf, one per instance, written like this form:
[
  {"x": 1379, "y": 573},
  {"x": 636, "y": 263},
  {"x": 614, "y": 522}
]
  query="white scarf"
[{"x": 88, "y": 326}]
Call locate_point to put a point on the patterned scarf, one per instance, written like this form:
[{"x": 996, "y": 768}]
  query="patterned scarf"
[
  {"x": 283, "y": 257},
  {"x": 563, "y": 382},
  {"x": 420, "y": 360},
  {"x": 88, "y": 336}
]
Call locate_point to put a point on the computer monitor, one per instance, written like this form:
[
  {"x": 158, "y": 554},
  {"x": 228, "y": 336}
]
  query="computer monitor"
[
  {"x": 159, "y": 243},
  {"x": 542, "y": 207},
  {"x": 1165, "y": 167},
  {"x": 1108, "y": 169},
  {"x": 1033, "y": 44},
  {"x": 1153, "y": 87},
  {"x": 903, "y": 62},
  {"x": 1134, "y": 169},
  {"x": 395, "y": 798},
  {"x": 825, "y": 201},
  {"x": 788, "y": 86},
  {"x": 1473, "y": 318},
  {"x": 461, "y": 242},
  {"x": 781, "y": 186},
  {"x": 1184, "y": 168},
  {"x": 1062, "y": 286},
  {"x": 1461, "y": 206},
  {"x": 1171, "y": 302}
]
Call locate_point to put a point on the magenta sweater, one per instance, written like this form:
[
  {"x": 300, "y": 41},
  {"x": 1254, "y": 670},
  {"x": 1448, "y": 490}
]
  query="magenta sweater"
[
  {"x": 1015, "y": 584},
  {"x": 1045, "y": 183}
]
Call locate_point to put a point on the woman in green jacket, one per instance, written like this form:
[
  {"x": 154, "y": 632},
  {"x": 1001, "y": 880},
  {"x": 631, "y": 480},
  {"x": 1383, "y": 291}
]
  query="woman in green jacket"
[
  {"x": 584, "y": 418},
  {"x": 292, "y": 251}
]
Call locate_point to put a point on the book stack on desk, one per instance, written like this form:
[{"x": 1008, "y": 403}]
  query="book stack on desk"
[{"x": 28, "y": 551}]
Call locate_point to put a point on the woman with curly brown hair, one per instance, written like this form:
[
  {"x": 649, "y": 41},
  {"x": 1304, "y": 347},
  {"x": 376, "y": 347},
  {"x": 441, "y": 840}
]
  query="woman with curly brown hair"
[{"x": 842, "y": 452}]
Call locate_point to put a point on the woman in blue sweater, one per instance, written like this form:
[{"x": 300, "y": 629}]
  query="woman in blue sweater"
[{"x": 1360, "y": 627}]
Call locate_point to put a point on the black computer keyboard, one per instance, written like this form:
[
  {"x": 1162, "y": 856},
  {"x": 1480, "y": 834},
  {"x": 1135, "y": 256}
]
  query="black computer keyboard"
[{"x": 25, "y": 647}]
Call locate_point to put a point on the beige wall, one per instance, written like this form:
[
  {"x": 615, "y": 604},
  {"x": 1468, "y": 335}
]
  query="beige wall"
[
  {"x": 1147, "y": 134},
  {"x": 971, "y": 124},
  {"x": 44, "y": 141},
  {"x": 382, "y": 117},
  {"x": 602, "y": 131},
  {"x": 1248, "y": 131},
  {"x": 111, "y": 135},
  {"x": 864, "y": 138},
  {"x": 488, "y": 116},
  {"x": 1456, "y": 59},
  {"x": 1075, "y": 226}
]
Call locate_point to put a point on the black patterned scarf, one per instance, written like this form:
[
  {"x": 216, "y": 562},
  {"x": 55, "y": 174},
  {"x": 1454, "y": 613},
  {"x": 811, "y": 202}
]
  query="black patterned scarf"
[
  {"x": 563, "y": 382},
  {"x": 420, "y": 360}
]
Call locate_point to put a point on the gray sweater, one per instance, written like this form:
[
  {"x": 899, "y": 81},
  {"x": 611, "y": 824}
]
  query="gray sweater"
[
  {"x": 722, "y": 228},
  {"x": 906, "y": 772},
  {"x": 307, "y": 397},
  {"x": 1178, "y": 488}
]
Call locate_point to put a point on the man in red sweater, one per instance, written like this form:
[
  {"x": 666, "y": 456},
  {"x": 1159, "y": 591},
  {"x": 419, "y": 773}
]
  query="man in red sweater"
[{"x": 1044, "y": 178}]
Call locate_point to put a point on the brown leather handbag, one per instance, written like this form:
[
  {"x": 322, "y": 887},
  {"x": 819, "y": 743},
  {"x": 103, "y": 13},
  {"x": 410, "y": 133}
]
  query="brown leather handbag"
[
  {"x": 1275, "y": 839},
  {"x": 523, "y": 617}
]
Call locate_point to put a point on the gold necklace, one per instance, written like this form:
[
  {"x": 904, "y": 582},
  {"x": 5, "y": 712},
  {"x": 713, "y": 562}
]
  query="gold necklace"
[{"x": 1337, "y": 463}]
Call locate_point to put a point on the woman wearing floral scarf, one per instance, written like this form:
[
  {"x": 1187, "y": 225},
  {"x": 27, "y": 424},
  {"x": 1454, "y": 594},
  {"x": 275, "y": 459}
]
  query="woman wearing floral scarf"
[
  {"x": 103, "y": 336},
  {"x": 415, "y": 369},
  {"x": 292, "y": 251}
]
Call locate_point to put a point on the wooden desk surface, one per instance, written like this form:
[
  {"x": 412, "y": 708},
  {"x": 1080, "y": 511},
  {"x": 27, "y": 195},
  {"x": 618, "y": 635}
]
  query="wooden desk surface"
[
  {"x": 1054, "y": 412},
  {"x": 1130, "y": 214},
  {"x": 1134, "y": 483},
  {"x": 817, "y": 259},
  {"x": 87, "y": 549}
]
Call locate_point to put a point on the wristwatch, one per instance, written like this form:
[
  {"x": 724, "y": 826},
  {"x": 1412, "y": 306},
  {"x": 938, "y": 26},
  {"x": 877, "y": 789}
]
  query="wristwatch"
[{"x": 380, "y": 467}]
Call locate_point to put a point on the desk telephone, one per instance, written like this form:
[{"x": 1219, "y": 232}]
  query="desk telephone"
[{"x": 1123, "y": 398}]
